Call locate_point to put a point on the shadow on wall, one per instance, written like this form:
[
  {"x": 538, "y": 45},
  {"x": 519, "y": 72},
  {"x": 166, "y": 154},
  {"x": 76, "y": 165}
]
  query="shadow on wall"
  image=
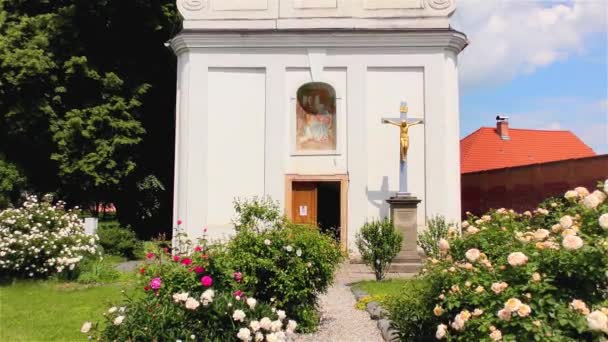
[{"x": 378, "y": 197}]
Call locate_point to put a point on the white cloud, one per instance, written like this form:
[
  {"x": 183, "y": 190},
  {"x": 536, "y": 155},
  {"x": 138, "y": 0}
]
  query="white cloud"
[{"x": 513, "y": 37}]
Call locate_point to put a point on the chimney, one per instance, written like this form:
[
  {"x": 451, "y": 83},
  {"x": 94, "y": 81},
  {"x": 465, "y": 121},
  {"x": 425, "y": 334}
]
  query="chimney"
[{"x": 502, "y": 127}]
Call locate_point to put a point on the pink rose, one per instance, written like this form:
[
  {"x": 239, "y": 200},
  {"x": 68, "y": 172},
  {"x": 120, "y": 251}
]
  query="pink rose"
[
  {"x": 517, "y": 259},
  {"x": 179, "y": 222},
  {"x": 150, "y": 255},
  {"x": 199, "y": 269},
  {"x": 238, "y": 293},
  {"x": 176, "y": 258},
  {"x": 198, "y": 249},
  {"x": 156, "y": 283},
  {"x": 238, "y": 277},
  {"x": 207, "y": 281},
  {"x": 186, "y": 261}
]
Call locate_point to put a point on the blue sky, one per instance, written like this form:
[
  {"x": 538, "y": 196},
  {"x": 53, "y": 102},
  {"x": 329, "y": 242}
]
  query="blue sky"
[{"x": 542, "y": 63}]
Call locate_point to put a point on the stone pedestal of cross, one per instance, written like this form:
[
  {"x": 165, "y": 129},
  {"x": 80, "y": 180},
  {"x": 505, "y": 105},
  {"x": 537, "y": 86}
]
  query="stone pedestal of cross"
[{"x": 404, "y": 206}]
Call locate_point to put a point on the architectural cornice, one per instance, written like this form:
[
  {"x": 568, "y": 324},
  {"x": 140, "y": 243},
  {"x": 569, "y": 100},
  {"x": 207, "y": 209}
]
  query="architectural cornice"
[{"x": 448, "y": 39}]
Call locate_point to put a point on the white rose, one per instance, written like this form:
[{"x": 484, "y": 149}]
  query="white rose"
[
  {"x": 288, "y": 248},
  {"x": 259, "y": 337},
  {"x": 86, "y": 327},
  {"x": 443, "y": 245},
  {"x": 606, "y": 186},
  {"x": 207, "y": 297},
  {"x": 180, "y": 297},
  {"x": 600, "y": 195},
  {"x": 582, "y": 191},
  {"x": 472, "y": 254},
  {"x": 251, "y": 302},
  {"x": 291, "y": 325},
  {"x": 591, "y": 202},
  {"x": 118, "y": 320},
  {"x": 281, "y": 314},
  {"x": 265, "y": 323},
  {"x": 603, "y": 220},
  {"x": 579, "y": 306},
  {"x": 267, "y": 242},
  {"x": 244, "y": 334},
  {"x": 524, "y": 310},
  {"x": 597, "y": 321},
  {"x": 541, "y": 234},
  {"x": 517, "y": 259},
  {"x": 192, "y": 304},
  {"x": 566, "y": 222},
  {"x": 112, "y": 309},
  {"x": 512, "y": 304},
  {"x": 572, "y": 242},
  {"x": 441, "y": 331},
  {"x": 458, "y": 323},
  {"x": 238, "y": 315},
  {"x": 272, "y": 338},
  {"x": 496, "y": 335},
  {"x": 276, "y": 325},
  {"x": 571, "y": 194},
  {"x": 254, "y": 325}
]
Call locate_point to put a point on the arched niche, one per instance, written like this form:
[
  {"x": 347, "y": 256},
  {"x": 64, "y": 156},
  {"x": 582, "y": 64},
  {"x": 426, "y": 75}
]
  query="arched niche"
[{"x": 316, "y": 126}]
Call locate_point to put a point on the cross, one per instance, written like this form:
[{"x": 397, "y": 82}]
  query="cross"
[{"x": 404, "y": 124}]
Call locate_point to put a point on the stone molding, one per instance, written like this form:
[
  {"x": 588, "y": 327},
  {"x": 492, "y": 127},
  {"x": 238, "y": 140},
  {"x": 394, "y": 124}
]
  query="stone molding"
[
  {"x": 448, "y": 39},
  {"x": 359, "y": 13}
]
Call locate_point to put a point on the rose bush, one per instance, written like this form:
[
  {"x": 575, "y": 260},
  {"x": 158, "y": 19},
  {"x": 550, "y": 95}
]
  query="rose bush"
[
  {"x": 40, "y": 239},
  {"x": 244, "y": 289},
  {"x": 540, "y": 275},
  {"x": 188, "y": 298}
]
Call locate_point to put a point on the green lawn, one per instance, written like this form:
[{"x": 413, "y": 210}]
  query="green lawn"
[
  {"x": 388, "y": 287},
  {"x": 54, "y": 310}
]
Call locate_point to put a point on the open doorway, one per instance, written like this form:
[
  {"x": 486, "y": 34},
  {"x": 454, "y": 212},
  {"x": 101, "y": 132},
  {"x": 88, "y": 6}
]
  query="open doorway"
[{"x": 319, "y": 202}]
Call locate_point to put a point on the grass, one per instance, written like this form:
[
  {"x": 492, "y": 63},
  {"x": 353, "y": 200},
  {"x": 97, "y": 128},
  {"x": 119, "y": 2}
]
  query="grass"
[
  {"x": 388, "y": 287},
  {"x": 54, "y": 310},
  {"x": 379, "y": 291}
]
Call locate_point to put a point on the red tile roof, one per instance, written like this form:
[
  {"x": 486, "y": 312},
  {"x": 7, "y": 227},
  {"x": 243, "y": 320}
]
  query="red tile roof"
[{"x": 485, "y": 150}]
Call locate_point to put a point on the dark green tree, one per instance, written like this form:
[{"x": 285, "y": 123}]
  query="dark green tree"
[{"x": 87, "y": 99}]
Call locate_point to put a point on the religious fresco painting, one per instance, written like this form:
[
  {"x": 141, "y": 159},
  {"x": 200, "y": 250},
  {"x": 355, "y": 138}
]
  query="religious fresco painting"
[{"x": 316, "y": 118}]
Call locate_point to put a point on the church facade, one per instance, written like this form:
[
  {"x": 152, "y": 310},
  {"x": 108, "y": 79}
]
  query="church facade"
[{"x": 284, "y": 98}]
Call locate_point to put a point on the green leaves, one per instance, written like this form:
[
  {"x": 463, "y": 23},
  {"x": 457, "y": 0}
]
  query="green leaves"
[{"x": 379, "y": 243}]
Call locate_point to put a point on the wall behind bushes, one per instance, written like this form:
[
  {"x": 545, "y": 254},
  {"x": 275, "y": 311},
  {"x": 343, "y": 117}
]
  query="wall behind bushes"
[{"x": 523, "y": 188}]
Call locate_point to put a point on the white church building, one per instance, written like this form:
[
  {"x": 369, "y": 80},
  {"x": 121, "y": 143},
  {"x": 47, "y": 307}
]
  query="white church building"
[{"x": 284, "y": 98}]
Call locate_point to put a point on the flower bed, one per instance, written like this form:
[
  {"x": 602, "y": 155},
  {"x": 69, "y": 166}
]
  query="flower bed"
[
  {"x": 260, "y": 286},
  {"x": 539, "y": 275}
]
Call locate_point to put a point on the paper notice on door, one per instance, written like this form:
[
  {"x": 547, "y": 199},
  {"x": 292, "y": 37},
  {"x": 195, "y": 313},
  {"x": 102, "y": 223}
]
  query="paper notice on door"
[{"x": 303, "y": 210}]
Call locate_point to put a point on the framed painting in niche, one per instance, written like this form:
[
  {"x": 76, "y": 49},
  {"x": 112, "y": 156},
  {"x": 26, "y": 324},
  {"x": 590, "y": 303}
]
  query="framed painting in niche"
[{"x": 316, "y": 118}]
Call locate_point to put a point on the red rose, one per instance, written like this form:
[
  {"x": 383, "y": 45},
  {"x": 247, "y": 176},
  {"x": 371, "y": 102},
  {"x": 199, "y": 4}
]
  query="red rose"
[
  {"x": 186, "y": 261},
  {"x": 179, "y": 222},
  {"x": 146, "y": 288},
  {"x": 176, "y": 258},
  {"x": 142, "y": 270},
  {"x": 150, "y": 255},
  {"x": 199, "y": 269},
  {"x": 198, "y": 249}
]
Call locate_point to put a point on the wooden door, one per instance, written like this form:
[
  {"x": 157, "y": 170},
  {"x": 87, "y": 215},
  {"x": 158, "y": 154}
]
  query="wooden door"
[{"x": 304, "y": 202}]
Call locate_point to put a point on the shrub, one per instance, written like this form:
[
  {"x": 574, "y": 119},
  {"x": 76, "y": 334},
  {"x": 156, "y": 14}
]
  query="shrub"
[
  {"x": 97, "y": 271},
  {"x": 411, "y": 313},
  {"x": 188, "y": 298},
  {"x": 258, "y": 213},
  {"x": 437, "y": 229},
  {"x": 12, "y": 181},
  {"x": 117, "y": 240},
  {"x": 539, "y": 275},
  {"x": 289, "y": 266},
  {"x": 40, "y": 239},
  {"x": 283, "y": 266},
  {"x": 379, "y": 243}
]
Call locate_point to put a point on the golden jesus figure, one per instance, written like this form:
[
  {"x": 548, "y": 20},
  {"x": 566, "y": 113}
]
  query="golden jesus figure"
[{"x": 404, "y": 137}]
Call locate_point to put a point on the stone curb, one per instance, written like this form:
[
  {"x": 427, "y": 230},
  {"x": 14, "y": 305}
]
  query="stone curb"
[{"x": 377, "y": 313}]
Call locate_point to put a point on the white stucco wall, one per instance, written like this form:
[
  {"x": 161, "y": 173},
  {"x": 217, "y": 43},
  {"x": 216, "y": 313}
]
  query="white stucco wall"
[{"x": 236, "y": 106}]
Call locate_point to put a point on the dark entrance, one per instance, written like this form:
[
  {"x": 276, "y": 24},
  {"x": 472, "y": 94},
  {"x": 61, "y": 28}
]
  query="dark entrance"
[{"x": 317, "y": 203}]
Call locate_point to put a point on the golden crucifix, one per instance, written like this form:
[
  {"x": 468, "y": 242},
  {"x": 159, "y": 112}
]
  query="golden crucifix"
[{"x": 404, "y": 125}]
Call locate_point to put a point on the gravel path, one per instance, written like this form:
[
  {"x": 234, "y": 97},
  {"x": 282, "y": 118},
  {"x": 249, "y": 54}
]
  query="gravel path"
[{"x": 340, "y": 321}]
